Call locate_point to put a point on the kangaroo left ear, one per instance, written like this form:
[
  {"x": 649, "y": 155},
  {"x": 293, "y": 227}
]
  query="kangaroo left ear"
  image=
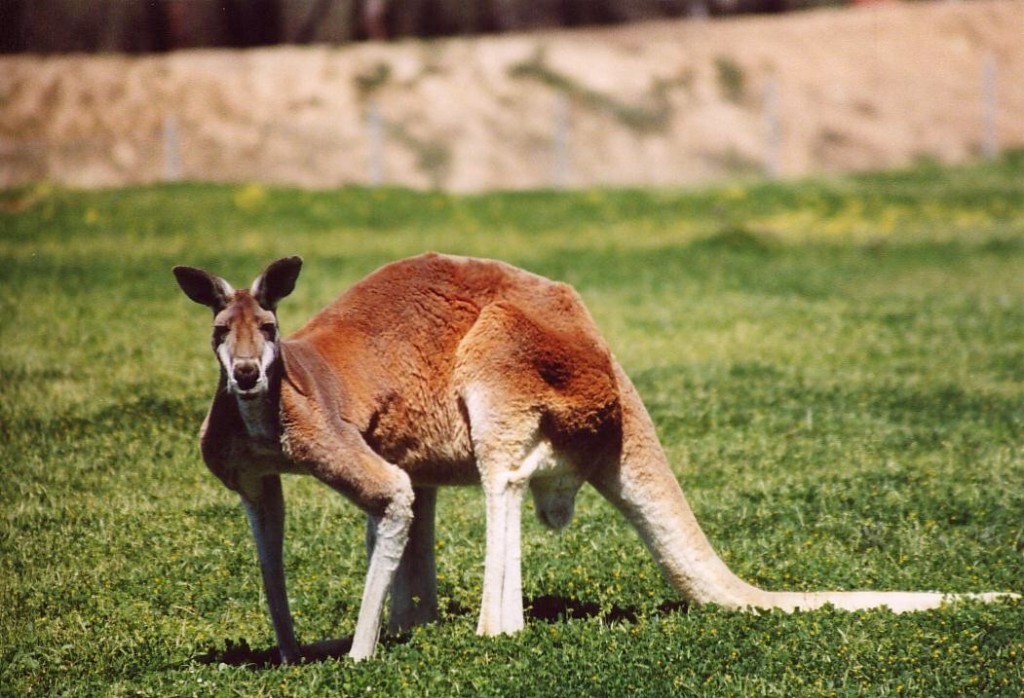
[
  {"x": 276, "y": 282},
  {"x": 203, "y": 287}
]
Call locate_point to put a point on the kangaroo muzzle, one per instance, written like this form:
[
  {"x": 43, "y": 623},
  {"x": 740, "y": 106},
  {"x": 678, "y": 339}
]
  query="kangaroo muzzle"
[{"x": 246, "y": 374}]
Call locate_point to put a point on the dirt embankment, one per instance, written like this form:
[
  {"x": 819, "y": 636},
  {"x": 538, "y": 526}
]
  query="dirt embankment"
[{"x": 650, "y": 104}]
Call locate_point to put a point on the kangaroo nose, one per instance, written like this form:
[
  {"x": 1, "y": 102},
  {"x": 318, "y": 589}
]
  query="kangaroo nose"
[{"x": 247, "y": 374}]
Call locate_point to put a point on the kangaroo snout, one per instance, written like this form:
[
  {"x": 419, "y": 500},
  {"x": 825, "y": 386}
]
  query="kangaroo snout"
[{"x": 246, "y": 374}]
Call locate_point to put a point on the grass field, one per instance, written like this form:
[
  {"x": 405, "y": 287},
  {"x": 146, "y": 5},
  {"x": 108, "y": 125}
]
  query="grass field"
[{"x": 836, "y": 369}]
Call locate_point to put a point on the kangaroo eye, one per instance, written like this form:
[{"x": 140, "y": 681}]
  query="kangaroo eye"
[
  {"x": 269, "y": 331},
  {"x": 220, "y": 332}
]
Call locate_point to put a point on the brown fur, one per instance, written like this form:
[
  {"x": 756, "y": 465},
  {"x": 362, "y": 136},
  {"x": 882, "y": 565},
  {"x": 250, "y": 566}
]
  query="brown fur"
[{"x": 392, "y": 343}]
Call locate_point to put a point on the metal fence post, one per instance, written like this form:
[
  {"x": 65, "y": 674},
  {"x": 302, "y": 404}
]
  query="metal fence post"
[
  {"x": 375, "y": 130},
  {"x": 560, "y": 143},
  {"x": 172, "y": 150},
  {"x": 990, "y": 108},
  {"x": 772, "y": 128}
]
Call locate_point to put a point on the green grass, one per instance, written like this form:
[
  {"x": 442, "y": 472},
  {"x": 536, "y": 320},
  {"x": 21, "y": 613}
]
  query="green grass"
[{"x": 835, "y": 368}]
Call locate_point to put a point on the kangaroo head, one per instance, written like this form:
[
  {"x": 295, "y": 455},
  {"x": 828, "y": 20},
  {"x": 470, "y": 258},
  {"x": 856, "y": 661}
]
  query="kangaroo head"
[{"x": 245, "y": 335}]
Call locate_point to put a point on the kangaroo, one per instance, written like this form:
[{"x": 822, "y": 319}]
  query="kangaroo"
[{"x": 442, "y": 370}]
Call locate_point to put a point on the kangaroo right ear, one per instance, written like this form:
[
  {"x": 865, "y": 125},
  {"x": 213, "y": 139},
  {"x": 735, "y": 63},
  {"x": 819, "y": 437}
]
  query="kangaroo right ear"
[
  {"x": 204, "y": 288},
  {"x": 276, "y": 282}
]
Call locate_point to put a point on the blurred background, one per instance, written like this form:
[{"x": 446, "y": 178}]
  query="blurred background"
[{"x": 470, "y": 95}]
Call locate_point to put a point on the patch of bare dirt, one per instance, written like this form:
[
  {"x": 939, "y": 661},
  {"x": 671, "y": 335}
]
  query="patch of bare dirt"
[{"x": 663, "y": 103}]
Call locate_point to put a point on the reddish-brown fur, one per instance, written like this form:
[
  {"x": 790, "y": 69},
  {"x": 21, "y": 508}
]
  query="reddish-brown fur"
[{"x": 392, "y": 344}]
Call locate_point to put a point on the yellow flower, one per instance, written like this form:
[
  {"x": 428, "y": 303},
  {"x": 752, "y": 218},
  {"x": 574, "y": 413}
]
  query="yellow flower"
[{"x": 250, "y": 197}]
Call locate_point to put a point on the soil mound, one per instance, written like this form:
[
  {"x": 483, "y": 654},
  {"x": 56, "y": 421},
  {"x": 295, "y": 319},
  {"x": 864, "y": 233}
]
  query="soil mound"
[{"x": 662, "y": 103}]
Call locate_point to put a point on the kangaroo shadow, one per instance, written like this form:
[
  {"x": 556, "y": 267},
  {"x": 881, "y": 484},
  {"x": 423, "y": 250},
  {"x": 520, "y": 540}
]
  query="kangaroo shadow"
[
  {"x": 553, "y": 609},
  {"x": 545, "y": 608},
  {"x": 241, "y": 654}
]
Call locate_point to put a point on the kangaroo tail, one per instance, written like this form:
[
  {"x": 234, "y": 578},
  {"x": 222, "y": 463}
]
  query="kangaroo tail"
[{"x": 641, "y": 485}]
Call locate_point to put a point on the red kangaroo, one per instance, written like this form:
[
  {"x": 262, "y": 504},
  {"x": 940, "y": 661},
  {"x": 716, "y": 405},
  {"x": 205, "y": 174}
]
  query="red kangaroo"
[{"x": 442, "y": 370}]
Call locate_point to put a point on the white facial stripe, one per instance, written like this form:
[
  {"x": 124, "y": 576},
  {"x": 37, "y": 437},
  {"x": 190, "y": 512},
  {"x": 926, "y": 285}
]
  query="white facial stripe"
[
  {"x": 269, "y": 354},
  {"x": 226, "y": 360}
]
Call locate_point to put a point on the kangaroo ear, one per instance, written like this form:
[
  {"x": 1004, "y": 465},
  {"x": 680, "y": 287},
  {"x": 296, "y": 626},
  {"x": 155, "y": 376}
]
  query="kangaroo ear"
[
  {"x": 276, "y": 282},
  {"x": 204, "y": 288}
]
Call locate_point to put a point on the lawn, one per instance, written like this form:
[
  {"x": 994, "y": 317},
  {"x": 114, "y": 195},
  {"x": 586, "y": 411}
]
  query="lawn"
[{"x": 835, "y": 368}]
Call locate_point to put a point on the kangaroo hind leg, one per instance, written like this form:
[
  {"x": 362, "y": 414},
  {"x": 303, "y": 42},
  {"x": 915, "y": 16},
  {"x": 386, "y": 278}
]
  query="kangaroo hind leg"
[
  {"x": 509, "y": 452},
  {"x": 537, "y": 393}
]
